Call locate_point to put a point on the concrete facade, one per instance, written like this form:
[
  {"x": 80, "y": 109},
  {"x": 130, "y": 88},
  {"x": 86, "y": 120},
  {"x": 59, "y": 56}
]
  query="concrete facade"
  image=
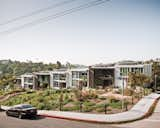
[
  {"x": 58, "y": 79},
  {"x": 97, "y": 76},
  {"x": 28, "y": 81},
  {"x": 61, "y": 78},
  {"x": 42, "y": 79},
  {"x": 122, "y": 72},
  {"x": 116, "y": 74},
  {"x": 79, "y": 77}
]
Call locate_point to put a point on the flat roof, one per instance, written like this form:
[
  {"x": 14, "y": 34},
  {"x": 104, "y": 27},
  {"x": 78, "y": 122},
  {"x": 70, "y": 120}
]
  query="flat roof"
[
  {"x": 79, "y": 69},
  {"x": 42, "y": 73},
  {"x": 101, "y": 67},
  {"x": 131, "y": 66},
  {"x": 119, "y": 66},
  {"x": 27, "y": 75},
  {"x": 58, "y": 72}
]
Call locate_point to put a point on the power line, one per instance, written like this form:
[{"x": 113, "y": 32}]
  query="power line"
[
  {"x": 55, "y": 16},
  {"x": 37, "y": 12}
]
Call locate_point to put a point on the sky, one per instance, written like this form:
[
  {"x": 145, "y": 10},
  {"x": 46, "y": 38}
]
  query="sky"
[{"x": 113, "y": 31}]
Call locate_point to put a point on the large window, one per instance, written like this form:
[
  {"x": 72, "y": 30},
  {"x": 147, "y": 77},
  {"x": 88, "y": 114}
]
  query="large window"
[
  {"x": 81, "y": 75},
  {"x": 125, "y": 71},
  {"x": 28, "y": 80},
  {"x": 55, "y": 84},
  {"x": 59, "y": 77}
]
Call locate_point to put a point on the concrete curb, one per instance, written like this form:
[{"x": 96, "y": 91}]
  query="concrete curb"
[
  {"x": 142, "y": 115},
  {"x": 73, "y": 119}
]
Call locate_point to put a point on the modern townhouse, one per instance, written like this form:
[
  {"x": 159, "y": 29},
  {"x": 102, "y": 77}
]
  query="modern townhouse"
[
  {"x": 42, "y": 79},
  {"x": 71, "y": 78},
  {"x": 96, "y": 76},
  {"x": 79, "y": 77},
  {"x": 101, "y": 76},
  {"x": 59, "y": 79},
  {"x": 122, "y": 70},
  {"x": 28, "y": 80},
  {"x": 116, "y": 74}
]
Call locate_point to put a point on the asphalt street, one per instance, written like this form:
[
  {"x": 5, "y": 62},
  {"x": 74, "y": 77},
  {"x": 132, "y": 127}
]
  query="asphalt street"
[{"x": 42, "y": 122}]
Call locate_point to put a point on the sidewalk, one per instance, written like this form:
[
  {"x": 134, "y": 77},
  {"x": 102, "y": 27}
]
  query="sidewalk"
[
  {"x": 152, "y": 121},
  {"x": 139, "y": 111}
]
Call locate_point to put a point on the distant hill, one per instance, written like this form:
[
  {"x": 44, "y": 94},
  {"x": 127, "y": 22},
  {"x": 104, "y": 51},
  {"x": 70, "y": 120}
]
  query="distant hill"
[{"x": 16, "y": 68}]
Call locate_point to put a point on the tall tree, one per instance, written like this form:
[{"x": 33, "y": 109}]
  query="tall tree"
[
  {"x": 156, "y": 72},
  {"x": 138, "y": 79},
  {"x": 59, "y": 65}
]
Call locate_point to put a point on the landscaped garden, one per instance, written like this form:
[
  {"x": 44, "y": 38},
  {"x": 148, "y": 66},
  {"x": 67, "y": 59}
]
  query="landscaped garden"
[{"x": 90, "y": 101}]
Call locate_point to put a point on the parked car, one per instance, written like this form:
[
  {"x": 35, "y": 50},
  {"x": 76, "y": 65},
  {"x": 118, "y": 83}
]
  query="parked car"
[
  {"x": 158, "y": 91},
  {"x": 22, "y": 110},
  {"x": 0, "y": 108}
]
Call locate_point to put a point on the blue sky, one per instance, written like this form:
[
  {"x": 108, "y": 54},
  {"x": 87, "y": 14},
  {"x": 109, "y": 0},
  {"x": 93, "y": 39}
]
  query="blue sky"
[{"x": 113, "y": 31}]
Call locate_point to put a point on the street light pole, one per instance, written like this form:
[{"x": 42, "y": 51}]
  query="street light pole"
[
  {"x": 122, "y": 94},
  {"x": 155, "y": 85}
]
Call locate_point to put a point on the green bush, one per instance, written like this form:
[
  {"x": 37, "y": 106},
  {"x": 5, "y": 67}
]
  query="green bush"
[
  {"x": 89, "y": 104},
  {"x": 46, "y": 93},
  {"x": 73, "y": 108},
  {"x": 30, "y": 91},
  {"x": 115, "y": 105},
  {"x": 58, "y": 91},
  {"x": 87, "y": 108},
  {"x": 40, "y": 106},
  {"x": 49, "y": 100},
  {"x": 40, "y": 99},
  {"x": 102, "y": 109}
]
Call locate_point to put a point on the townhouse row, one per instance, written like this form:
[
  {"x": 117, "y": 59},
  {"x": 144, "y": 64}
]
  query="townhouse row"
[{"x": 97, "y": 76}]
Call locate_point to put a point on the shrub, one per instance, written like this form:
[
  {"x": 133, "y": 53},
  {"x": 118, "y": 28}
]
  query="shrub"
[
  {"x": 89, "y": 94},
  {"x": 87, "y": 108},
  {"x": 58, "y": 91},
  {"x": 73, "y": 108},
  {"x": 46, "y": 93},
  {"x": 30, "y": 91},
  {"x": 66, "y": 90},
  {"x": 48, "y": 106},
  {"x": 115, "y": 105},
  {"x": 40, "y": 99},
  {"x": 128, "y": 92},
  {"x": 40, "y": 106},
  {"x": 100, "y": 109},
  {"x": 88, "y": 104},
  {"x": 66, "y": 97}
]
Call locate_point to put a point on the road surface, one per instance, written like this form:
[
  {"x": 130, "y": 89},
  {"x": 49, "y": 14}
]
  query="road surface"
[{"x": 12, "y": 122}]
